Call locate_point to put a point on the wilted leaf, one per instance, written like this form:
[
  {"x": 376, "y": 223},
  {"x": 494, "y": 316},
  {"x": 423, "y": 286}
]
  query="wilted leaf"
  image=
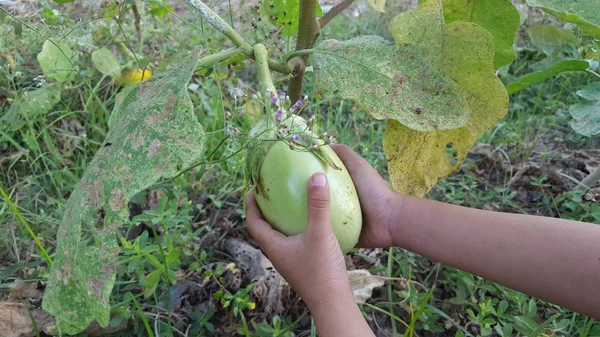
[
  {"x": 417, "y": 160},
  {"x": 499, "y": 17},
  {"x": 539, "y": 76},
  {"x": 378, "y": 5},
  {"x": 30, "y": 105},
  {"x": 363, "y": 283},
  {"x": 551, "y": 39},
  {"x": 585, "y": 13},
  {"x": 106, "y": 62},
  {"x": 58, "y": 64},
  {"x": 285, "y": 14},
  {"x": 390, "y": 83},
  {"x": 153, "y": 134}
]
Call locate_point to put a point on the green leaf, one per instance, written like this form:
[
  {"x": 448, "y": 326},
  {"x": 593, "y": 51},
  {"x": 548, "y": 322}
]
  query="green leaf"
[
  {"x": 542, "y": 75},
  {"x": 586, "y": 118},
  {"x": 172, "y": 257},
  {"x": 499, "y": 17},
  {"x": 153, "y": 135},
  {"x": 106, "y": 62},
  {"x": 63, "y": 1},
  {"x": 284, "y": 14},
  {"x": 591, "y": 92},
  {"x": 390, "y": 83},
  {"x": 551, "y": 39},
  {"x": 30, "y": 105},
  {"x": 151, "y": 282},
  {"x": 464, "y": 51},
  {"x": 585, "y": 14},
  {"x": 57, "y": 61}
]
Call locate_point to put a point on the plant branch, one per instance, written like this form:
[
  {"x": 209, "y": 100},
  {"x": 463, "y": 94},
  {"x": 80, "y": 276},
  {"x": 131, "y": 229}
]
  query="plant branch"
[
  {"x": 215, "y": 58},
  {"x": 588, "y": 181},
  {"x": 264, "y": 74},
  {"x": 334, "y": 11},
  {"x": 308, "y": 32},
  {"x": 216, "y": 21}
]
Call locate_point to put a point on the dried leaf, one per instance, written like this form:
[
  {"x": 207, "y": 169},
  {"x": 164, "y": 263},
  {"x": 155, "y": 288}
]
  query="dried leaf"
[
  {"x": 16, "y": 322},
  {"x": 153, "y": 134},
  {"x": 363, "y": 283}
]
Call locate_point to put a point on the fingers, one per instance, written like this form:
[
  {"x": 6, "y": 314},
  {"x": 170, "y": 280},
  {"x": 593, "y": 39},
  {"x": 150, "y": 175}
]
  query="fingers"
[
  {"x": 319, "y": 221},
  {"x": 260, "y": 230}
]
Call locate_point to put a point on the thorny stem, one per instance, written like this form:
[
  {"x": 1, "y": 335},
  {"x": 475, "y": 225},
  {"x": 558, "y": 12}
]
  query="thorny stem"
[
  {"x": 216, "y": 21},
  {"x": 308, "y": 32},
  {"x": 334, "y": 11}
]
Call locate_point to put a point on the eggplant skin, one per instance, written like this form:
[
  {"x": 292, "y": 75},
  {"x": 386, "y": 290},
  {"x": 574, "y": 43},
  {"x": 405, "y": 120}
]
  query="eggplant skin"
[{"x": 284, "y": 177}]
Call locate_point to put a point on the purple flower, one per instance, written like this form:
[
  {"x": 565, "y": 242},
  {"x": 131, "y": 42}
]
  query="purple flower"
[
  {"x": 279, "y": 115},
  {"x": 295, "y": 137},
  {"x": 298, "y": 103},
  {"x": 274, "y": 100},
  {"x": 282, "y": 95}
]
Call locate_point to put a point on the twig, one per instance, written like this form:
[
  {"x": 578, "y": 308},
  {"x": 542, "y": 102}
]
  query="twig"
[
  {"x": 334, "y": 11},
  {"x": 588, "y": 181},
  {"x": 308, "y": 32},
  {"x": 264, "y": 77},
  {"x": 216, "y": 21},
  {"x": 215, "y": 58}
]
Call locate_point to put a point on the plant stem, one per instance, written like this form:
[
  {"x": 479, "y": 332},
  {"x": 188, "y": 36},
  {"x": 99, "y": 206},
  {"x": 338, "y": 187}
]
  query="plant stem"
[
  {"x": 334, "y": 11},
  {"x": 588, "y": 181},
  {"x": 264, "y": 74},
  {"x": 215, "y": 58},
  {"x": 216, "y": 21},
  {"x": 308, "y": 32}
]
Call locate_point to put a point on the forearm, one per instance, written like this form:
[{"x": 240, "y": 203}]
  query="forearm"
[
  {"x": 552, "y": 259},
  {"x": 340, "y": 316}
]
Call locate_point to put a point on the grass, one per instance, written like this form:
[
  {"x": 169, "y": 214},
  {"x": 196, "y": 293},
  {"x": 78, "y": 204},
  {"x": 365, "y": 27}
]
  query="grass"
[{"x": 47, "y": 154}]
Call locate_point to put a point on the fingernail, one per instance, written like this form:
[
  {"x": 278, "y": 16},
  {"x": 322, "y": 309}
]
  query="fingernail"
[{"x": 318, "y": 179}]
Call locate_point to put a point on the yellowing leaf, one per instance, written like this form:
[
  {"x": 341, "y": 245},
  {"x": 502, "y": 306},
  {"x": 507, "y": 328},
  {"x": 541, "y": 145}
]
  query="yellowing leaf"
[
  {"x": 378, "y": 5},
  {"x": 416, "y": 159},
  {"x": 57, "y": 61},
  {"x": 390, "y": 82},
  {"x": 499, "y": 17},
  {"x": 134, "y": 77}
]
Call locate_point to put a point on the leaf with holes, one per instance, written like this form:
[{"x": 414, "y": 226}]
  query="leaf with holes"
[
  {"x": 542, "y": 75},
  {"x": 153, "y": 135},
  {"x": 58, "y": 61},
  {"x": 390, "y": 82},
  {"x": 499, "y": 17},
  {"x": 465, "y": 52},
  {"x": 285, "y": 14},
  {"x": 585, "y": 14}
]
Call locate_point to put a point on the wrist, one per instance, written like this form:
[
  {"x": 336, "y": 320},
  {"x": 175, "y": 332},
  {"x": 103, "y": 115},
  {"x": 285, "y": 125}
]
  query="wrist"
[{"x": 401, "y": 222}]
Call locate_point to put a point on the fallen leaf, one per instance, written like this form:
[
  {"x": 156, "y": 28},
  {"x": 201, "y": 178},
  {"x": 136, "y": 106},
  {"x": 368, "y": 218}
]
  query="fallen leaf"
[
  {"x": 15, "y": 320},
  {"x": 363, "y": 283}
]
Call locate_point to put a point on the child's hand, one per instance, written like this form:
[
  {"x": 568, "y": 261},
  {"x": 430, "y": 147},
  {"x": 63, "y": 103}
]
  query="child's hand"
[
  {"x": 381, "y": 205},
  {"x": 311, "y": 262}
]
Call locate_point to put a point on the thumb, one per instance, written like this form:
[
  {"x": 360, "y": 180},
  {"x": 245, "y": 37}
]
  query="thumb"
[{"x": 319, "y": 218}]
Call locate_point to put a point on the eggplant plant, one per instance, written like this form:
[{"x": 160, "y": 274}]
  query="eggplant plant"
[{"x": 434, "y": 84}]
